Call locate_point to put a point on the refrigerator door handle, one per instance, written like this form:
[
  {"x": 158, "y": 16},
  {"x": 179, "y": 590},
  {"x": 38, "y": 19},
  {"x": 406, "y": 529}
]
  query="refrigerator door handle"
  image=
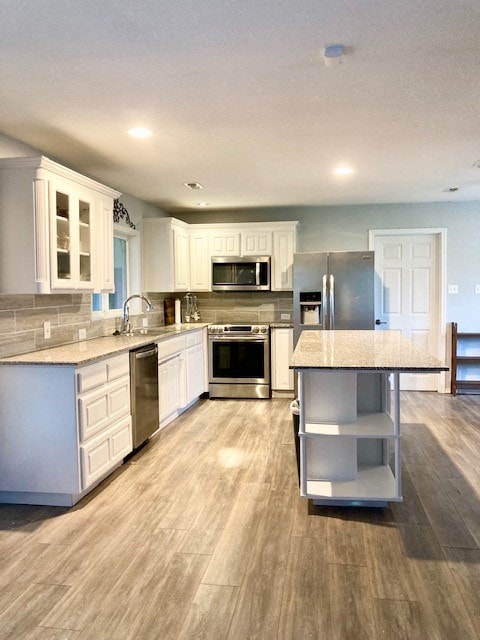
[
  {"x": 332, "y": 302},
  {"x": 324, "y": 302}
]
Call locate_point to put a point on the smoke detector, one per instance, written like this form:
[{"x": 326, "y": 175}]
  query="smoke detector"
[{"x": 333, "y": 55}]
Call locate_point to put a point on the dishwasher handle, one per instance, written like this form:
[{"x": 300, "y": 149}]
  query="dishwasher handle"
[{"x": 145, "y": 353}]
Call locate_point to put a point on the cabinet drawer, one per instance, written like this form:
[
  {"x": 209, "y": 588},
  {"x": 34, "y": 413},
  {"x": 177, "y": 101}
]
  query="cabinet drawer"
[
  {"x": 104, "y": 452},
  {"x": 194, "y": 338},
  {"x": 169, "y": 347},
  {"x": 118, "y": 366},
  {"x": 91, "y": 376},
  {"x": 99, "y": 409}
]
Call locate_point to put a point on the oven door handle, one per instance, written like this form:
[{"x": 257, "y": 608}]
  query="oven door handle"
[{"x": 237, "y": 339}]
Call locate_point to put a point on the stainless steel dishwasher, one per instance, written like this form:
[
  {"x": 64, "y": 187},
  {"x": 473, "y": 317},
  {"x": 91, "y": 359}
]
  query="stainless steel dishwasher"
[{"x": 144, "y": 392}]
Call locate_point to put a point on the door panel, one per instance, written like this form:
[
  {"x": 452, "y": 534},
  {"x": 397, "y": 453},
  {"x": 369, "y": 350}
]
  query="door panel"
[{"x": 407, "y": 295}]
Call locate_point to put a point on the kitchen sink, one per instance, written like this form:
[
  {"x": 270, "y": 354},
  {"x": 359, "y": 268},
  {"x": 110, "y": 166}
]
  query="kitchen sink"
[{"x": 151, "y": 331}]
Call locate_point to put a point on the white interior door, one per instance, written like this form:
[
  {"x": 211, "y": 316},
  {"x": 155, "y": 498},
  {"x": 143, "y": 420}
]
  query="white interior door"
[{"x": 407, "y": 294}]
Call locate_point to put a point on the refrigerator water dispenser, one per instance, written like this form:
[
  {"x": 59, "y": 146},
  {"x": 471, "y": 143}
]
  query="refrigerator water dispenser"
[{"x": 310, "y": 307}]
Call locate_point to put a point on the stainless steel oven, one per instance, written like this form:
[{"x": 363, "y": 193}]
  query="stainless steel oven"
[{"x": 239, "y": 361}]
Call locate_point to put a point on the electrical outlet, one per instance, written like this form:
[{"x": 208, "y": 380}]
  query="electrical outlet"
[
  {"x": 82, "y": 334},
  {"x": 145, "y": 322},
  {"x": 477, "y": 289},
  {"x": 453, "y": 288},
  {"x": 47, "y": 330},
  {"x": 285, "y": 316}
]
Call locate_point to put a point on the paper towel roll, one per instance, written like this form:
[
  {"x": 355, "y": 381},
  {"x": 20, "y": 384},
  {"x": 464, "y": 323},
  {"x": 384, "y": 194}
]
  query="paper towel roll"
[{"x": 178, "y": 311}]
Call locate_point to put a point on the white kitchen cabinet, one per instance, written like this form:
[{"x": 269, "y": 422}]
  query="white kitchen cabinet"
[
  {"x": 281, "y": 350},
  {"x": 166, "y": 262},
  {"x": 171, "y": 387},
  {"x": 73, "y": 431},
  {"x": 195, "y": 365},
  {"x": 256, "y": 243},
  {"x": 224, "y": 242},
  {"x": 181, "y": 373},
  {"x": 199, "y": 260},
  {"x": 54, "y": 219},
  {"x": 282, "y": 259}
]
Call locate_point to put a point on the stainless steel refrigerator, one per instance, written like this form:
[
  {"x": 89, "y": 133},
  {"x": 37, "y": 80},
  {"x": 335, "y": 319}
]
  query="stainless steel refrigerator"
[{"x": 333, "y": 291}]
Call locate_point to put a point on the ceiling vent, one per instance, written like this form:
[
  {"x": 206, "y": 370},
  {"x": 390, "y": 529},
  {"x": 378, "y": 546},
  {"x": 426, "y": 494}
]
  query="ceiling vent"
[{"x": 193, "y": 185}]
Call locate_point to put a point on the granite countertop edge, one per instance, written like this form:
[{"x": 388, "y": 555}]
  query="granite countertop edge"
[{"x": 86, "y": 351}]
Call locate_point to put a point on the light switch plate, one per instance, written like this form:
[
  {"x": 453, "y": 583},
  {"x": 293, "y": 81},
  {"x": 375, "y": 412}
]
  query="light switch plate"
[
  {"x": 453, "y": 288},
  {"x": 47, "y": 330},
  {"x": 145, "y": 322},
  {"x": 82, "y": 334},
  {"x": 477, "y": 289},
  {"x": 285, "y": 316}
]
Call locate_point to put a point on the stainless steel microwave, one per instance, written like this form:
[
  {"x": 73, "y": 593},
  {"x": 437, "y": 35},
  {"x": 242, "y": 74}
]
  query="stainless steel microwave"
[{"x": 251, "y": 273}]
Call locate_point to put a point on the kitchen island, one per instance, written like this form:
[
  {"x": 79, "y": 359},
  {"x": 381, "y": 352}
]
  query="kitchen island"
[{"x": 349, "y": 426}]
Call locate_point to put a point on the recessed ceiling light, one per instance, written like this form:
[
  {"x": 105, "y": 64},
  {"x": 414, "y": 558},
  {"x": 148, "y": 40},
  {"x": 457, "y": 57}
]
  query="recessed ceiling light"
[
  {"x": 140, "y": 132},
  {"x": 203, "y": 204},
  {"x": 343, "y": 171},
  {"x": 193, "y": 185}
]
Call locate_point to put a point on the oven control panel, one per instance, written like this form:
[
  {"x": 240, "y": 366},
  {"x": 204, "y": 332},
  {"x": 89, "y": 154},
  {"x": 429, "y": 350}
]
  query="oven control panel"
[{"x": 238, "y": 329}]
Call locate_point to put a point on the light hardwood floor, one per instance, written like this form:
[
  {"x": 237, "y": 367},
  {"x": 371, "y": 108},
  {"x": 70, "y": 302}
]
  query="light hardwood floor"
[{"x": 202, "y": 535}]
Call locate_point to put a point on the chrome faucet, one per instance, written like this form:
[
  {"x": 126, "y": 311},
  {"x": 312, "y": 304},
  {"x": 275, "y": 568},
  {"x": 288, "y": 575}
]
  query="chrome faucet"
[{"x": 126, "y": 314}]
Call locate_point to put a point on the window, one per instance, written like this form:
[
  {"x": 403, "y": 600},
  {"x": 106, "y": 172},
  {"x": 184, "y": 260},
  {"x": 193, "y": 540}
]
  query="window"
[{"x": 126, "y": 266}]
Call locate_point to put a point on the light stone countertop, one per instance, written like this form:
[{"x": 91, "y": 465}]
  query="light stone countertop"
[
  {"x": 361, "y": 350},
  {"x": 78, "y": 353}
]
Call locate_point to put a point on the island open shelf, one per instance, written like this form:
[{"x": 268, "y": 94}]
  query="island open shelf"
[{"x": 349, "y": 425}]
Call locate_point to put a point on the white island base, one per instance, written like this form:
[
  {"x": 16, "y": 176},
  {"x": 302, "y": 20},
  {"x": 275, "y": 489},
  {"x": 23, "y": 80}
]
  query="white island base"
[{"x": 349, "y": 441}]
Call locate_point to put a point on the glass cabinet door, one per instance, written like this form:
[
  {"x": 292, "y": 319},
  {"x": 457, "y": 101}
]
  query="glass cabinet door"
[
  {"x": 71, "y": 239},
  {"x": 85, "y": 235},
  {"x": 63, "y": 221}
]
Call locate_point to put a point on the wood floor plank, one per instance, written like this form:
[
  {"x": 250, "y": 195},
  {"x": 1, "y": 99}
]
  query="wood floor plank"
[
  {"x": 464, "y": 565},
  {"x": 445, "y": 612},
  {"x": 400, "y": 620},
  {"x": 441, "y": 511},
  {"x": 350, "y": 603},
  {"x": 305, "y": 606},
  {"x": 228, "y": 563},
  {"x": 390, "y": 573},
  {"x": 259, "y": 602},
  {"x": 27, "y": 610},
  {"x": 209, "y": 613},
  {"x": 345, "y": 541},
  {"x": 465, "y": 495}
]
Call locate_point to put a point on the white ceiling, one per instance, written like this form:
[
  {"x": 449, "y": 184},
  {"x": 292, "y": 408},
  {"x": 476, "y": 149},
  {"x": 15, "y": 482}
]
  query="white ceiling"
[{"x": 239, "y": 98}]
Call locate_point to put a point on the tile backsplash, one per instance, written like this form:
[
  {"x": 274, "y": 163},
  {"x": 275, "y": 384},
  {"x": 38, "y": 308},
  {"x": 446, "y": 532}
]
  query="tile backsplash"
[{"x": 22, "y": 316}]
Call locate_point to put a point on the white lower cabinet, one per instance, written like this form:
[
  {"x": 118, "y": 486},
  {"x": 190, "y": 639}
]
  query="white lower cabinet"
[
  {"x": 171, "y": 384},
  {"x": 282, "y": 350},
  {"x": 62, "y": 429},
  {"x": 104, "y": 451},
  {"x": 104, "y": 421},
  {"x": 181, "y": 373}
]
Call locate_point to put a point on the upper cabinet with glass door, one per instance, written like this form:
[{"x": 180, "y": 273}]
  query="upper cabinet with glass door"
[{"x": 65, "y": 247}]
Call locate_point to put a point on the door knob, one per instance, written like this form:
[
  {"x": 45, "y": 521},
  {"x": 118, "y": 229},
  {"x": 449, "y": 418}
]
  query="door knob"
[{"x": 377, "y": 321}]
